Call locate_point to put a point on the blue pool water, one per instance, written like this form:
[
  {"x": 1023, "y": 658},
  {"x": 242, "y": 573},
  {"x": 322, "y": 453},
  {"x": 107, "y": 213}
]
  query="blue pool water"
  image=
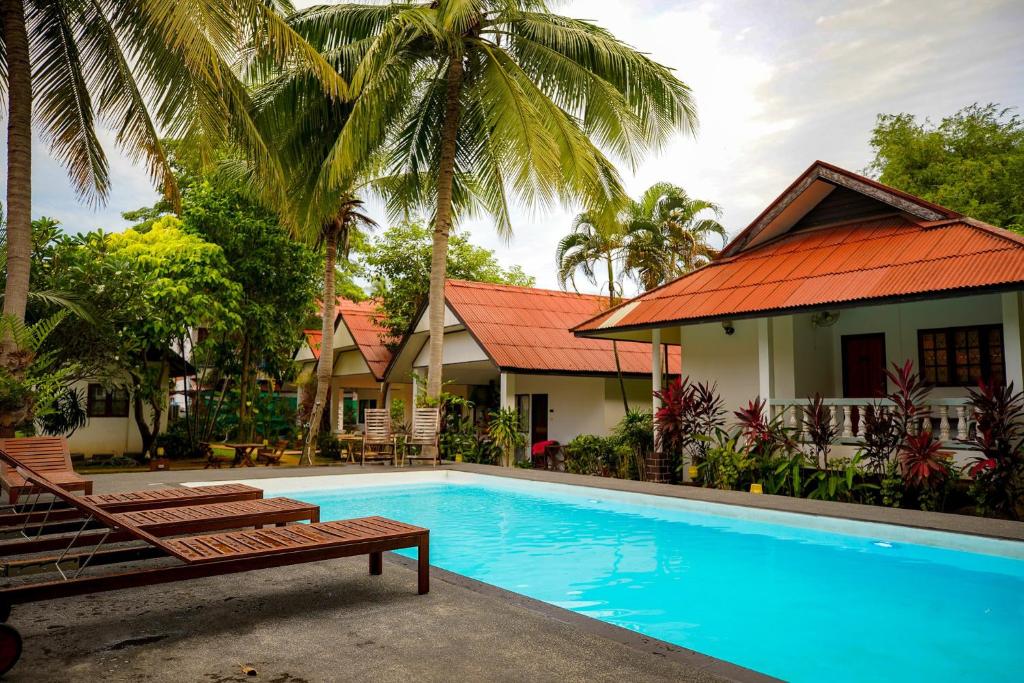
[{"x": 792, "y": 602}]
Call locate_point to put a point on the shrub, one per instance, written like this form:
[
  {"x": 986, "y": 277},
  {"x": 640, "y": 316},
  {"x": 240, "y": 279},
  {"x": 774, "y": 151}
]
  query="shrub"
[
  {"x": 882, "y": 437},
  {"x": 927, "y": 468},
  {"x": 821, "y": 429},
  {"x": 595, "y": 455},
  {"x": 688, "y": 417},
  {"x": 635, "y": 433},
  {"x": 998, "y": 472}
]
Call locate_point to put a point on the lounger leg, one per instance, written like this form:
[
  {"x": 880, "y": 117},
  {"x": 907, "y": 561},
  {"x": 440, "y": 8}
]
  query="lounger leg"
[
  {"x": 376, "y": 563},
  {"x": 423, "y": 565}
]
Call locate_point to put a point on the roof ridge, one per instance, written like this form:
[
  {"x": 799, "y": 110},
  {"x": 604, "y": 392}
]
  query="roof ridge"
[{"x": 458, "y": 282}]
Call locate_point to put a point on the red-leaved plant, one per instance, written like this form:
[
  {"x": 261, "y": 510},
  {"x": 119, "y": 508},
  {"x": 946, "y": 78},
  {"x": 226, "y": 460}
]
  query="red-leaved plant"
[
  {"x": 755, "y": 425},
  {"x": 909, "y": 397},
  {"x": 925, "y": 464},
  {"x": 821, "y": 429},
  {"x": 688, "y": 412},
  {"x": 998, "y": 471}
]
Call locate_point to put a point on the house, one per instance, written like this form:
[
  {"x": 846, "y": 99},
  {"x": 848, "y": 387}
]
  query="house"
[
  {"x": 511, "y": 347},
  {"x": 361, "y": 357},
  {"x": 835, "y": 280},
  {"x": 110, "y": 427}
]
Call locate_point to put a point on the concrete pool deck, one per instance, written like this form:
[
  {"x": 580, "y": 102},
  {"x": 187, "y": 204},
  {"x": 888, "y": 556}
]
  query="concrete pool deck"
[{"x": 332, "y": 621}]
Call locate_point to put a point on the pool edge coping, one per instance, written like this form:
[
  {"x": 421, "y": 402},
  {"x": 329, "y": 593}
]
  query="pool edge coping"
[
  {"x": 633, "y": 639},
  {"x": 987, "y": 527}
]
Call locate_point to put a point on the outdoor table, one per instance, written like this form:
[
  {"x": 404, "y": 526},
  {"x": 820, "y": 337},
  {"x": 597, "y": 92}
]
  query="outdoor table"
[
  {"x": 350, "y": 440},
  {"x": 244, "y": 453}
]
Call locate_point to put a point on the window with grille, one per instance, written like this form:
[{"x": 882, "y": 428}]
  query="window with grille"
[
  {"x": 104, "y": 402},
  {"x": 960, "y": 356}
]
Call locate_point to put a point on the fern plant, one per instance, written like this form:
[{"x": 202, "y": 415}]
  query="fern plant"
[{"x": 30, "y": 381}]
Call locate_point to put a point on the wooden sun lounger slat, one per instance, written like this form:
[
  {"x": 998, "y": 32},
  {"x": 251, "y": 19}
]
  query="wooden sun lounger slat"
[{"x": 322, "y": 535}]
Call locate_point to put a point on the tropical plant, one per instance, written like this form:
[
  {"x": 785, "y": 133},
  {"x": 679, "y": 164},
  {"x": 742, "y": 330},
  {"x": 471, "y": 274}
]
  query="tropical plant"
[
  {"x": 821, "y": 429},
  {"x": 492, "y": 100},
  {"x": 998, "y": 472},
  {"x": 689, "y": 414},
  {"x": 926, "y": 467},
  {"x": 504, "y": 431},
  {"x": 67, "y": 415},
  {"x": 595, "y": 455},
  {"x": 30, "y": 382},
  {"x": 668, "y": 234},
  {"x": 726, "y": 462},
  {"x": 636, "y": 433},
  {"x": 594, "y": 243},
  {"x": 908, "y": 398},
  {"x": 881, "y": 437},
  {"x": 142, "y": 66},
  {"x": 844, "y": 481}
]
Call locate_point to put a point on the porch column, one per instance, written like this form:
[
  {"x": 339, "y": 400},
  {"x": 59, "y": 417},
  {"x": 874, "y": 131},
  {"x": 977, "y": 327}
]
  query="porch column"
[
  {"x": 1013, "y": 347},
  {"x": 415, "y": 387},
  {"x": 508, "y": 391},
  {"x": 765, "y": 380},
  {"x": 657, "y": 468}
]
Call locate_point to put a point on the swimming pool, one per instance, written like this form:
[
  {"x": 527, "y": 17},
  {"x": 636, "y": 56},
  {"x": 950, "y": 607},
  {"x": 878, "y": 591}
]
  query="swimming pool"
[{"x": 798, "y": 597}]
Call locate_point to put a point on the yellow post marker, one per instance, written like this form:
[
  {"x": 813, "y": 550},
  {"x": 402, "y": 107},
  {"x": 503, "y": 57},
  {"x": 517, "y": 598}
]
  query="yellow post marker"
[
  {"x": 693, "y": 472},
  {"x": 756, "y": 488}
]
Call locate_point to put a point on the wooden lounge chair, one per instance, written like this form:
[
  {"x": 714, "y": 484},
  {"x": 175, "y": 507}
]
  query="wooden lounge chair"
[
  {"x": 377, "y": 437},
  {"x": 188, "y": 519},
  {"x": 425, "y": 434},
  {"x": 46, "y": 454},
  {"x": 192, "y": 557},
  {"x": 146, "y": 499}
]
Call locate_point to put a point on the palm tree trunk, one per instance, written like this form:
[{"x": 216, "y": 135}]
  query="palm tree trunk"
[
  {"x": 615, "y": 344},
  {"x": 443, "y": 225},
  {"x": 325, "y": 366},
  {"x": 19, "y": 160}
]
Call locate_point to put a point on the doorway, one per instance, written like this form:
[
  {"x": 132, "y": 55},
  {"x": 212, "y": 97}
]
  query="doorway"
[{"x": 864, "y": 365}]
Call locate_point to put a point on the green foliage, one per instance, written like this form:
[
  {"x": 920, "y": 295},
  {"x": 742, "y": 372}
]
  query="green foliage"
[
  {"x": 68, "y": 414},
  {"x": 971, "y": 162},
  {"x": 31, "y": 380},
  {"x": 635, "y": 432},
  {"x": 595, "y": 455},
  {"x": 397, "y": 263},
  {"x": 504, "y": 431}
]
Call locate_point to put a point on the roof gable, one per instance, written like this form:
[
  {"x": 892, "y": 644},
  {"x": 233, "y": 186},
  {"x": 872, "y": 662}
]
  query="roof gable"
[
  {"x": 825, "y": 191},
  {"x": 359, "y": 320},
  {"x": 816, "y": 262}
]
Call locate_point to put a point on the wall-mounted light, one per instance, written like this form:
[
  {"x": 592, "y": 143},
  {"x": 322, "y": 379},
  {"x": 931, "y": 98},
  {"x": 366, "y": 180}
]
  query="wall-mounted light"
[{"x": 728, "y": 327}]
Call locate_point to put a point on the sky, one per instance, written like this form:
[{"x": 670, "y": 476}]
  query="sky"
[{"x": 777, "y": 85}]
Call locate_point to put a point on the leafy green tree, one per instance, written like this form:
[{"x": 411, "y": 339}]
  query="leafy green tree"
[
  {"x": 971, "y": 162},
  {"x": 480, "y": 101},
  {"x": 668, "y": 234},
  {"x": 153, "y": 288},
  {"x": 596, "y": 242},
  {"x": 279, "y": 280},
  {"x": 397, "y": 263},
  {"x": 142, "y": 66}
]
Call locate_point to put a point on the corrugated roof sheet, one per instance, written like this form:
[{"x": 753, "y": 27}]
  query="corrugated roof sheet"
[
  {"x": 881, "y": 258},
  {"x": 523, "y": 328},
  {"x": 313, "y": 338},
  {"x": 359, "y": 318}
]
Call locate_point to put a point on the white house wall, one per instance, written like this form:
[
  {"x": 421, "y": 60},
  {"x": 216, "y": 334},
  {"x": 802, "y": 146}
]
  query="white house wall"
[
  {"x": 583, "y": 405},
  {"x": 423, "y": 324},
  {"x": 350, "y": 363},
  {"x": 108, "y": 435},
  {"x": 459, "y": 347},
  {"x": 807, "y": 359}
]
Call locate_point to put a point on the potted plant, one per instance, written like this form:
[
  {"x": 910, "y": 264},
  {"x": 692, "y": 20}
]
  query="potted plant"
[{"x": 504, "y": 432}]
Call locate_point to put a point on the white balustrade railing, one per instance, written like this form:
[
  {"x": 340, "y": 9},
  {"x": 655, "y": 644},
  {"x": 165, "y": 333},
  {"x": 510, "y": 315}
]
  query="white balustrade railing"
[{"x": 950, "y": 416}]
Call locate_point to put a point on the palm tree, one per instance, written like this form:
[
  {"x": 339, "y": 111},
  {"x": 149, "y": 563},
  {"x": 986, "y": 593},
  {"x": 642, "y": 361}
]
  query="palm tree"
[
  {"x": 597, "y": 240},
  {"x": 483, "y": 100},
  {"x": 146, "y": 68},
  {"x": 304, "y": 123},
  {"x": 668, "y": 234}
]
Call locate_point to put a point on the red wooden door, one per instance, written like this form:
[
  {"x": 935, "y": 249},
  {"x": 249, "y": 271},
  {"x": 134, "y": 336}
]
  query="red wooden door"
[{"x": 864, "y": 365}]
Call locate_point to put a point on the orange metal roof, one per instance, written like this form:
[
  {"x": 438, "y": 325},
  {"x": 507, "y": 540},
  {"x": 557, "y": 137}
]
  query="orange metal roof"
[
  {"x": 877, "y": 259},
  {"x": 313, "y": 338},
  {"x": 528, "y": 329},
  {"x": 359, "y": 318}
]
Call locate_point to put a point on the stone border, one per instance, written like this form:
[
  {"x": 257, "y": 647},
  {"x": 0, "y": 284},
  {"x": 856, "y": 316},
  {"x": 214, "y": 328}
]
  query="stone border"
[
  {"x": 624, "y": 636},
  {"x": 935, "y": 521}
]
